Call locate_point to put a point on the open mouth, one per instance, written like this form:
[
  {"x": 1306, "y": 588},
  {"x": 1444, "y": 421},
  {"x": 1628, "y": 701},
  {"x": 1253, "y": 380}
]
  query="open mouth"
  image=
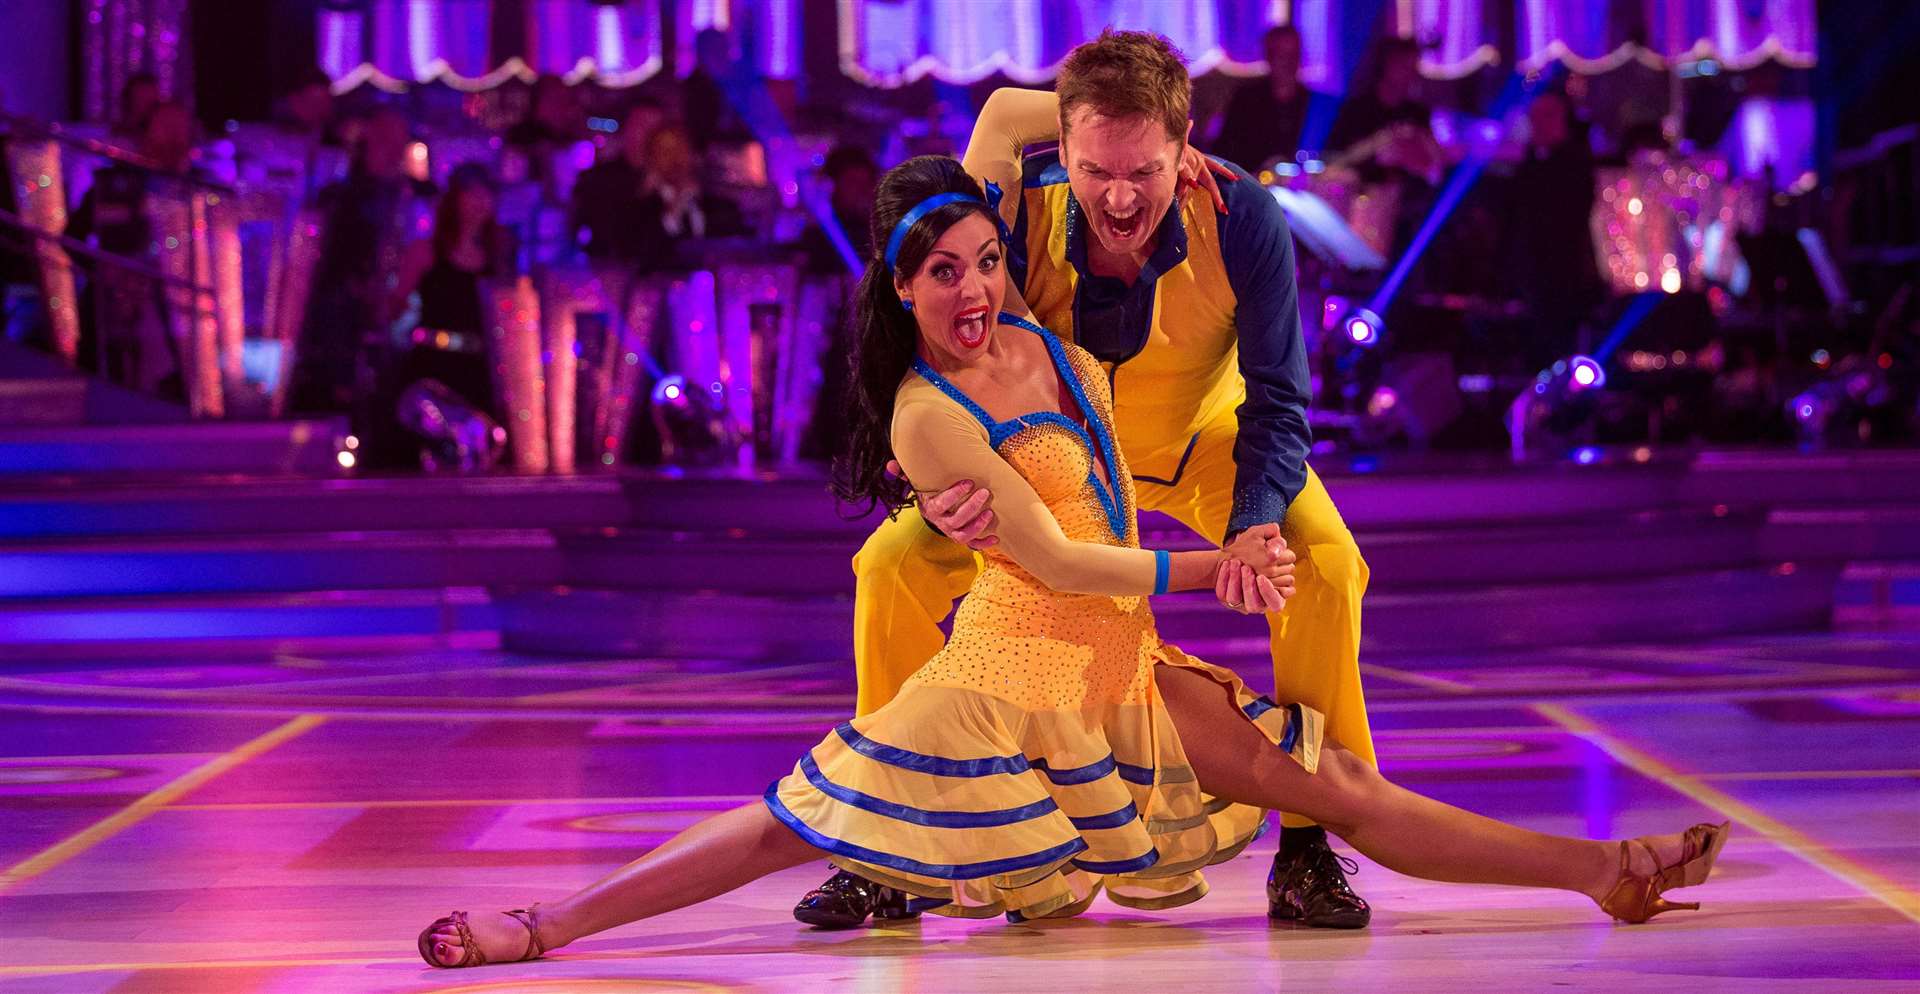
[
  {"x": 1124, "y": 226},
  {"x": 970, "y": 327}
]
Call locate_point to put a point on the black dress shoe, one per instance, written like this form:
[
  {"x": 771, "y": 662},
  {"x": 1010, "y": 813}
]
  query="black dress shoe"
[
  {"x": 845, "y": 901},
  {"x": 1310, "y": 886}
]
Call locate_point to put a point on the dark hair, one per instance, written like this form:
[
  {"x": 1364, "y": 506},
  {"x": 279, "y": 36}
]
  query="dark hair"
[
  {"x": 308, "y": 77},
  {"x": 143, "y": 77},
  {"x": 883, "y": 334},
  {"x": 1279, "y": 31},
  {"x": 446, "y": 215},
  {"x": 1373, "y": 67},
  {"x": 1394, "y": 47},
  {"x": 844, "y": 157},
  {"x": 641, "y": 103}
]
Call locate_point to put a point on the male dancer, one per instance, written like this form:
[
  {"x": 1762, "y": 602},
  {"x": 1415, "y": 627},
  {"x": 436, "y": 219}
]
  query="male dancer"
[{"x": 1193, "y": 312}]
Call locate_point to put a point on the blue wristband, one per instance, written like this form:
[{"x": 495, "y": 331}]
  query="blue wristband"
[{"x": 1162, "y": 570}]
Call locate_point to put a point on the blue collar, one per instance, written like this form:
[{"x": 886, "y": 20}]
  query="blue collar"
[
  {"x": 1094, "y": 435},
  {"x": 1170, "y": 245}
]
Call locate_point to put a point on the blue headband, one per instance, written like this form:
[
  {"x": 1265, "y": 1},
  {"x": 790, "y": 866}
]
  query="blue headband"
[
  {"x": 912, "y": 217},
  {"x": 934, "y": 203}
]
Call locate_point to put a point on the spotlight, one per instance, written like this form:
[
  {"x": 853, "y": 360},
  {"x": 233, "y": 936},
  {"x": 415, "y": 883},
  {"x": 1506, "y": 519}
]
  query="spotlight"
[
  {"x": 1844, "y": 406},
  {"x": 1554, "y": 414},
  {"x": 1363, "y": 327},
  {"x": 692, "y": 423},
  {"x": 670, "y": 390},
  {"x": 1585, "y": 374}
]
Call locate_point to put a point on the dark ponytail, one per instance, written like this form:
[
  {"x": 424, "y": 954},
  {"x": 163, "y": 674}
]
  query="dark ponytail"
[{"x": 884, "y": 334}]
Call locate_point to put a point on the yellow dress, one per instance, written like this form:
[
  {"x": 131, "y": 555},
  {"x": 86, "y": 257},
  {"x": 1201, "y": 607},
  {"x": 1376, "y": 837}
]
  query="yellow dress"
[{"x": 1032, "y": 761}]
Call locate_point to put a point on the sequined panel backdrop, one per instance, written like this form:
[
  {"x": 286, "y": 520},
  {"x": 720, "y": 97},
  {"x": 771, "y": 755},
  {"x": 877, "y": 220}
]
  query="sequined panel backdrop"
[{"x": 120, "y": 38}]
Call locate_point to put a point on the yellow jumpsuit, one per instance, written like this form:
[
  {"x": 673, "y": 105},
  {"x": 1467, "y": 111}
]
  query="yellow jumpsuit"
[{"x": 1175, "y": 405}]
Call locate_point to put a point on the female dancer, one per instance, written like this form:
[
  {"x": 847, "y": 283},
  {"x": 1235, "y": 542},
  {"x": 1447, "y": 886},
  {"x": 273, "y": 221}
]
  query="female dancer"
[{"x": 1056, "y": 745}]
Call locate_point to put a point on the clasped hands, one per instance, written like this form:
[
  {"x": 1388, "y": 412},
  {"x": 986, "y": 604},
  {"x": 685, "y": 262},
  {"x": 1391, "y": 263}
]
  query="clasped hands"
[{"x": 1254, "y": 574}]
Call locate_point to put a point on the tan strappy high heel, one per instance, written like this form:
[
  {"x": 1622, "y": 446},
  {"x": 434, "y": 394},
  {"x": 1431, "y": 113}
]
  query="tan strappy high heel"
[
  {"x": 1637, "y": 897},
  {"x": 470, "y": 954}
]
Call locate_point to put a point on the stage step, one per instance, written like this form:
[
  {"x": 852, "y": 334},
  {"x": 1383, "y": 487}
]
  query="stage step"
[
  {"x": 734, "y": 625},
  {"x": 720, "y": 566},
  {"x": 279, "y": 563},
  {"x": 730, "y": 625},
  {"x": 280, "y": 448},
  {"x": 245, "y": 624},
  {"x": 52, "y": 510},
  {"x": 42, "y": 402},
  {"x": 1593, "y": 547},
  {"x": 556, "y": 552}
]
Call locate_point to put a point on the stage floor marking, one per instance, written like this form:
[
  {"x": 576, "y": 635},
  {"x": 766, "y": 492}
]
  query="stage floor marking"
[
  {"x": 160, "y": 797},
  {"x": 1417, "y": 679},
  {"x": 1887, "y": 891}
]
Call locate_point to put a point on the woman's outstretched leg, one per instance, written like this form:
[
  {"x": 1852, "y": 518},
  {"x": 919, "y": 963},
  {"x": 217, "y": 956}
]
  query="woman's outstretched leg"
[
  {"x": 728, "y": 850},
  {"x": 1391, "y": 825}
]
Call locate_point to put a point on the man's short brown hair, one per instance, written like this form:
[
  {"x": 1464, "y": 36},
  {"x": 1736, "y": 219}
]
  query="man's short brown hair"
[{"x": 1128, "y": 74}]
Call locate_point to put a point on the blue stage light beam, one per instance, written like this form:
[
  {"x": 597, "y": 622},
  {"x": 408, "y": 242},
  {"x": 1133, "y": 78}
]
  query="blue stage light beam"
[
  {"x": 1637, "y": 310},
  {"x": 1518, "y": 92}
]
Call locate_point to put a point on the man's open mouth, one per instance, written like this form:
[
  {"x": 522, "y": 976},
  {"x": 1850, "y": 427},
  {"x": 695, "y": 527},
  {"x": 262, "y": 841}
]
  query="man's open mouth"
[{"x": 1124, "y": 226}]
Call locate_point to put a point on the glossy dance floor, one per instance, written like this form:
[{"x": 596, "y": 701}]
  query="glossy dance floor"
[{"x": 287, "y": 824}]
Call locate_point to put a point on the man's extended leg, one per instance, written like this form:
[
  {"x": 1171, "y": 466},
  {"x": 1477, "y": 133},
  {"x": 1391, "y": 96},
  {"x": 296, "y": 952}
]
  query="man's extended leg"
[
  {"x": 1316, "y": 653},
  {"x": 1316, "y": 661},
  {"x": 906, "y": 578}
]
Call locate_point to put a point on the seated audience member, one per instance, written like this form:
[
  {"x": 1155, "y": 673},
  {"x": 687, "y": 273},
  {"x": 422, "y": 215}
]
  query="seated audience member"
[
  {"x": 113, "y": 207},
  {"x": 1382, "y": 126},
  {"x": 854, "y": 176},
  {"x": 449, "y": 339},
  {"x": 307, "y": 110},
  {"x": 139, "y": 95},
  {"x": 1266, "y": 117},
  {"x": 553, "y": 123},
  {"x": 705, "y": 106},
  {"x": 677, "y": 211},
  {"x": 16, "y": 254},
  {"x": 607, "y": 197},
  {"x": 853, "y": 173},
  {"x": 1386, "y": 136},
  {"x": 366, "y": 229},
  {"x": 1550, "y": 200},
  {"x": 114, "y": 214}
]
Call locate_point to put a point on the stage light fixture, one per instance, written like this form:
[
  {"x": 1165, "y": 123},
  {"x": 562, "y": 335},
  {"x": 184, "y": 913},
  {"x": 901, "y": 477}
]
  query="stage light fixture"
[
  {"x": 1583, "y": 373},
  {"x": 670, "y": 390},
  {"x": 1363, "y": 327},
  {"x": 1554, "y": 414}
]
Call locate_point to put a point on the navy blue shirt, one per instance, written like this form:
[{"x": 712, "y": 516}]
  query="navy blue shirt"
[{"x": 1113, "y": 320}]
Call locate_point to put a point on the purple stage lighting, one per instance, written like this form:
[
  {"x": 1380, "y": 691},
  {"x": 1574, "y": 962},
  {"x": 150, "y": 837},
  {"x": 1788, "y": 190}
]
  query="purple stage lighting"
[
  {"x": 670, "y": 390},
  {"x": 1585, "y": 374},
  {"x": 1363, "y": 327}
]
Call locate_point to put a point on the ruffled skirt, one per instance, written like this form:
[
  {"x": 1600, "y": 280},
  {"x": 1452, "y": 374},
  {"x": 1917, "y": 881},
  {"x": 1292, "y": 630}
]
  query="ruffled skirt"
[{"x": 979, "y": 807}]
